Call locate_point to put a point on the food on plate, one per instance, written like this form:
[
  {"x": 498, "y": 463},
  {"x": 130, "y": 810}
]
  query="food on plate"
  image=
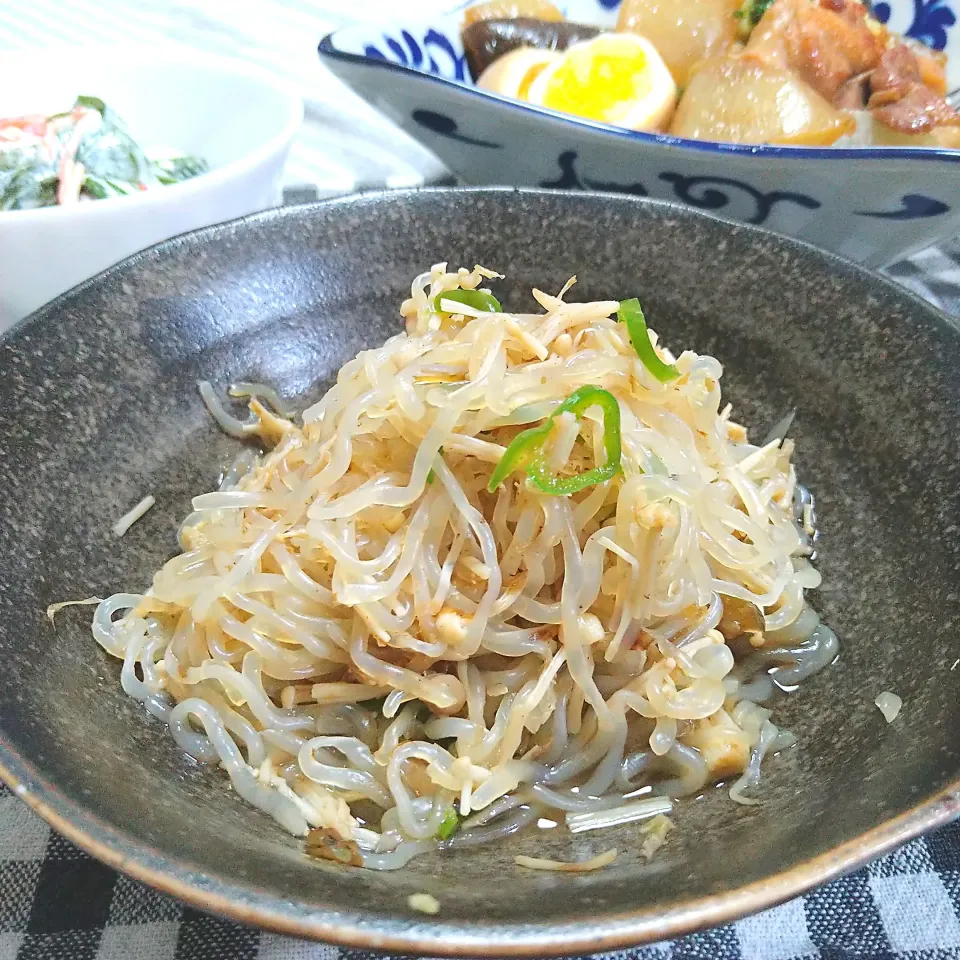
[
  {"x": 511, "y": 9},
  {"x": 743, "y": 101},
  {"x": 830, "y": 49},
  {"x": 654, "y": 833},
  {"x": 514, "y": 73},
  {"x": 133, "y": 515},
  {"x": 684, "y": 31},
  {"x": 564, "y": 866},
  {"x": 511, "y": 566},
  {"x": 614, "y": 78},
  {"x": 904, "y": 100},
  {"x": 487, "y": 40},
  {"x": 85, "y": 153},
  {"x": 889, "y": 704},
  {"x": 790, "y": 72},
  {"x": 424, "y": 903}
]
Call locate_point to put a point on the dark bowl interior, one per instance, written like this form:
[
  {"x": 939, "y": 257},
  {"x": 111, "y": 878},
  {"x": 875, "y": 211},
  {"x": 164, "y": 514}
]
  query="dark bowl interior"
[{"x": 99, "y": 406}]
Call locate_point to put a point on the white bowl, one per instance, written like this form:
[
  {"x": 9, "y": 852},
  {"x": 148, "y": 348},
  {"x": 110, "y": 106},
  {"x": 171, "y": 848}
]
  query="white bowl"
[
  {"x": 238, "y": 117},
  {"x": 874, "y": 205}
]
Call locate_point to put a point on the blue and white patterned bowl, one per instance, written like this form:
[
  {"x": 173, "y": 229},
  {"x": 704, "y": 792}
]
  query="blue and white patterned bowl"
[{"x": 873, "y": 205}]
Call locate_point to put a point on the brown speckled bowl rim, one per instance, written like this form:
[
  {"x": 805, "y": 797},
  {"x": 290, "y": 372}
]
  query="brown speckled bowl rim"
[{"x": 439, "y": 936}]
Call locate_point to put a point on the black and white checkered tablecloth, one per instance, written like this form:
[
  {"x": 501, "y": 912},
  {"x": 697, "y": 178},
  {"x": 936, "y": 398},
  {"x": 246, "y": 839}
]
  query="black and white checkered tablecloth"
[
  {"x": 934, "y": 274},
  {"x": 56, "y": 903}
]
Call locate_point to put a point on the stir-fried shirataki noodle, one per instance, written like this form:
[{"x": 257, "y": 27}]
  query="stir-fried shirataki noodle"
[{"x": 511, "y": 566}]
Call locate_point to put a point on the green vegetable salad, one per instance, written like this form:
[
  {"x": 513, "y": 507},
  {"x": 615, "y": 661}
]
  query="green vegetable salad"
[{"x": 86, "y": 153}]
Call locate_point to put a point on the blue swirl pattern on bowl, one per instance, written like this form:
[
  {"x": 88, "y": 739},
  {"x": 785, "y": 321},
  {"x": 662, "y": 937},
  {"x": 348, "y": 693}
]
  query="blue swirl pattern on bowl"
[
  {"x": 418, "y": 55},
  {"x": 932, "y": 19}
]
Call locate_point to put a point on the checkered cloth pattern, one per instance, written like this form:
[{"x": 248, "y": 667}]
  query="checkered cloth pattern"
[
  {"x": 56, "y": 903},
  {"x": 934, "y": 274}
]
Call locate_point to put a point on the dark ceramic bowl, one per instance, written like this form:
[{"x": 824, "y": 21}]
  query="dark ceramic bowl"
[{"x": 99, "y": 406}]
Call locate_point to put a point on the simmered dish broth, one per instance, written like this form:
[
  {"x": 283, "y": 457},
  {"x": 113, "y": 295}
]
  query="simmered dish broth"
[
  {"x": 511, "y": 566},
  {"x": 791, "y": 72}
]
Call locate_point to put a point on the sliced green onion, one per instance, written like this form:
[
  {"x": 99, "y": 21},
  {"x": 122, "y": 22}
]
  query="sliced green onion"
[
  {"x": 476, "y": 299},
  {"x": 631, "y": 314},
  {"x": 526, "y": 445},
  {"x": 449, "y": 825},
  {"x": 526, "y": 451}
]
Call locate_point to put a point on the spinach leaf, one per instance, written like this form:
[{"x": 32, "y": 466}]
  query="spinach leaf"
[
  {"x": 100, "y": 188},
  {"x": 92, "y": 103},
  {"x": 109, "y": 152},
  {"x": 27, "y": 187},
  {"x": 178, "y": 169},
  {"x": 27, "y": 179}
]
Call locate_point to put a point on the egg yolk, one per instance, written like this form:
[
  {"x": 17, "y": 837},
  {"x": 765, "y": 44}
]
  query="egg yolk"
[
  {"x": 594, "y": 82},
  {"x": 524, "y": 89}
]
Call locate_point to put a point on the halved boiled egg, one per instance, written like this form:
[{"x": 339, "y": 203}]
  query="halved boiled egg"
[
  {"x": 616, "y": 78},
  {"x": 514, "y": 72}
]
